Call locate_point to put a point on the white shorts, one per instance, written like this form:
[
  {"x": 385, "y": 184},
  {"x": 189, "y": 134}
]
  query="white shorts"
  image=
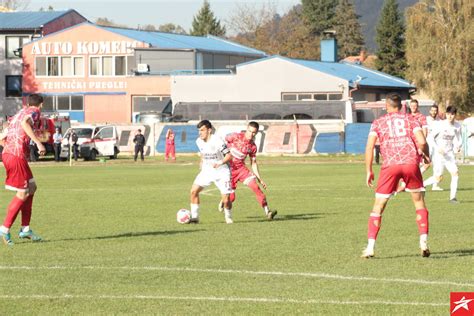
[
  {"x": 220, "y": 177},
  {"x": 440, "y": 161}
]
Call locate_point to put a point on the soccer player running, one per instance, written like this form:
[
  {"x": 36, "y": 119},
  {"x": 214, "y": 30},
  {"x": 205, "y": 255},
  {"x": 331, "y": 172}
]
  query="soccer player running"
[
  {"x": 432, "y": 119},
  {"x": 397, "y": 133},
  {"x": 446, "y": 140},
  {"x": 214, "y": 169},
  {"x": 242, "y": 145},
  {"x": 19, "y": 176}
]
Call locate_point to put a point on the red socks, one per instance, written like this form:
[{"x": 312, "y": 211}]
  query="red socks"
[
  {"x": 422, "y": 221},
  {"x": 12, "y": 211},
  {"x": 375, "y": 220},
  {"x": 258, "y": 193},
  {"x": 26, "y": 211}
]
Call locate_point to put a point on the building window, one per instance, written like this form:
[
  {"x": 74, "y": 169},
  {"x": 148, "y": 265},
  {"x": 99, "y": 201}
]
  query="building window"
[
  {"x": 108, "y": 66},
  {"x": 66, "y": 66},
  {"x": 306, "y": 96},
  {"x": 120, "y": 66},
  {"x": 48, "y": 104},
  {"x": 53, "y": 66},
  {"x": 62, "y": 66},
  {"x": 95, "y": 66},
  {"x": 79, "y": 66},
  {"x": 13, "y": 43},
  {"x": 13, "y": 86},
  {"x": 63, "y": 103}
]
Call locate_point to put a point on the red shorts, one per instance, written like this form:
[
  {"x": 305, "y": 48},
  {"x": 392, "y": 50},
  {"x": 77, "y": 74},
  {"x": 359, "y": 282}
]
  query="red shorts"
[
  {"x": 390, "y": 176},
  {"x": 243, "y": 175},
  {"x": 18, "y": 173}
]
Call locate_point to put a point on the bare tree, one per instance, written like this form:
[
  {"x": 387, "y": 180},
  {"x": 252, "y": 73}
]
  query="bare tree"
[
  {"x": 249, "y": 17},
  {"x": 15, "y": 5}
]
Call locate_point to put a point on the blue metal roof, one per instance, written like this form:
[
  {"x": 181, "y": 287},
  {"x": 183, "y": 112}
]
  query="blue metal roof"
[
  {"x": 179, "y": 41},
  {"x": 348, "y": 71},
  {"x": 353, "y": 73},
  {"x": 28, "y": 20}
]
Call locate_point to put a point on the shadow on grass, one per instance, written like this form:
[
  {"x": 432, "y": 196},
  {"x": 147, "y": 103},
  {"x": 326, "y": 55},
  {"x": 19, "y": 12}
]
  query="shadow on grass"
[
  {"x": 437, "y": 254},
  {"x": 284, "y": 217},
  {"x": 129, "y": 235}
]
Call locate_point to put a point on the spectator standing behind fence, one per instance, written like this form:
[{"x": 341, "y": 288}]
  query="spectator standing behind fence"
[
  {"x": 75, "y": 146},
  {"x": 57, "y": 138},
  {"x": 139, "y": 141},
  {"x": 34, "y": 156},
  {"x": 170, "y": 149}
]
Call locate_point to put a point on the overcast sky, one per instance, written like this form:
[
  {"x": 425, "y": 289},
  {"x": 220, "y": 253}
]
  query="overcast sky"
[{"x": 156, "y": 12}]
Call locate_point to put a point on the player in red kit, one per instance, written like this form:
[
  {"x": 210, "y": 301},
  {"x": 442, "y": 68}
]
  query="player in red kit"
[
  {"x": 19, "y": 176},
  {"x": 421, "y": 119},
  {"x": 400, "y": 135},
  {"x": 242, "y": 145}
]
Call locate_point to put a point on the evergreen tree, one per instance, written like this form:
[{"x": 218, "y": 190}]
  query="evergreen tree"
[
  {"x": 350, "y": 40},
  {"x": 440, "y": 50},
  {"x": 319, "y": 15},
  {"x": 391, "y": 41},
  {"x": 205, "y": 23}
]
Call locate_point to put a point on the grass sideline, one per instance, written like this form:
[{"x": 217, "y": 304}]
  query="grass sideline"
[{"x": 112, "y": 244}]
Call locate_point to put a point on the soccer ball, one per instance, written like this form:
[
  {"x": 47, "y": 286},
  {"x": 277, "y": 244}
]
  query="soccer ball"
[{"x": 183, "y": 216}]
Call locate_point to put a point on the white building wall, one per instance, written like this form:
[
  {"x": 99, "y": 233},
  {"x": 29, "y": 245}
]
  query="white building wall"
[
  {"x": 8, "y": 67},
  {"x": 257, "y": 81}
]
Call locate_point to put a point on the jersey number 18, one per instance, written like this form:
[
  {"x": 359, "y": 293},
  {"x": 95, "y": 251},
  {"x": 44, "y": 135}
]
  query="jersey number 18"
[{"x": 397, "y": 128}]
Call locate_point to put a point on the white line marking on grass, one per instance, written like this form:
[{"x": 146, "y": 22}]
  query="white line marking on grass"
[
  {"x": 228, "y": 271},
  {"x": 214, "y": 298}
]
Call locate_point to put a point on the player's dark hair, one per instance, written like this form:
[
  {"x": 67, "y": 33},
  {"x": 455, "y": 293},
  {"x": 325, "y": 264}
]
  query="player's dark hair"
[
  {"x": 451, "y": 110},
  {"x": 35, "y": 99},
  {"x": 254, "y": 125},
  {"x": 395, "y": 100},
  {"x": 435, "y": 106},
  {"x": 414, "y": 101},
  {"x": 204, "y": 123}
]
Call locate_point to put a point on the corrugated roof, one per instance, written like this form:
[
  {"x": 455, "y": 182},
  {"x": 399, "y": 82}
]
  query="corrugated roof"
[
  {"x": 353, "y": 73},
  {"x": 179, "y": 41},
  {"x": 28, "y": 20}
]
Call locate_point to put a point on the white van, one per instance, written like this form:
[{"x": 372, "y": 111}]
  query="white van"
[{"x": 94, "y": 141}]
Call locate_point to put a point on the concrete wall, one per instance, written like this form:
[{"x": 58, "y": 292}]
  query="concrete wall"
[
  {"x": 273, "y": 137},
  {"x": 258, "y": 81}
]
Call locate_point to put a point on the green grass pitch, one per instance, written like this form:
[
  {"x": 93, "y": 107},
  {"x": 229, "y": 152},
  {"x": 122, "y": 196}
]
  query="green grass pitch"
[{"x": 113, "y": 246}]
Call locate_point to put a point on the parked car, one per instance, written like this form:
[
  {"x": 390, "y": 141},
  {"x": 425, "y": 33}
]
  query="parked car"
[{"x": 94, "y": 141}]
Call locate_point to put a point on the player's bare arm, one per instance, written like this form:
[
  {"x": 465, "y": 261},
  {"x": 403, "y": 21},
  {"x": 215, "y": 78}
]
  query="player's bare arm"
[
  {"x": 423, "y": 146},
  {"x": 369, "y": 158},
  {"x": 226, "y": 159},
  {"x": 254, "y": 164},
  {"x": 26, "y": 124}
]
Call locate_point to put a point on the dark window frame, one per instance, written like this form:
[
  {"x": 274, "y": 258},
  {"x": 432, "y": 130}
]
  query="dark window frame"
[{"x": 11, "y": 93}]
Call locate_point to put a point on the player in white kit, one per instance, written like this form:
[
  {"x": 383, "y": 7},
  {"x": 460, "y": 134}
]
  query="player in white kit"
[
  {"x": 446, "y": 140},
  {"x": 214, "y": 169},
  {"x": 432, "y": 119}
]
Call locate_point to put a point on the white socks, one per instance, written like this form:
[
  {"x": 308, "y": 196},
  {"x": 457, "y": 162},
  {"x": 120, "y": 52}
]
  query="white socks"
[
  {"x": 266, "y": 209},
  {"x": 431, "y": 180},
  {"x": 371, "y": 244},
  {"x": 4, "y": 230},
  {"x": 454, "y": 187},
  {"x": 424, "y": 241},
  {"x": 228, "y": 216},
  {"x": 194, "y": 210},
  {"x": 25, "y": 228}
]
